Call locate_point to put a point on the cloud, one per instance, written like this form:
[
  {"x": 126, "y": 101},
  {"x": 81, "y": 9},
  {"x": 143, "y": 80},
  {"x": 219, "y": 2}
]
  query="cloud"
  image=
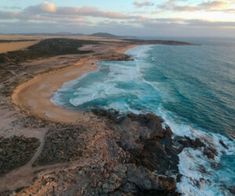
[
  {"x": 142, "y": 3},
  {"x": 48, "y": 7},
  {"x": 11, "y": 7},
  {"x": 216, "y": 5},
  {"x": 45, "y": 7},
  {"x": 188, "y": 23},
  {"x": 154, "y": 27},
  {"x": 8, "y": 15},
  {"x": 213, "y": 5},
  {"x": 47, "y": 17},
  {"x": 92, "y": 12}
]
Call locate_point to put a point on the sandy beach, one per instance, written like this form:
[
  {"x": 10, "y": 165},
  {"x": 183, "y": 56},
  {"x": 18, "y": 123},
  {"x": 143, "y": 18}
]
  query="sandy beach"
[{"x": 34, "y": 96}]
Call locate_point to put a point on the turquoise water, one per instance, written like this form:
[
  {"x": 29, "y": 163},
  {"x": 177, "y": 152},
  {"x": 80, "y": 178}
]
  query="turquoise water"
[{"x": 191, "y": 87}]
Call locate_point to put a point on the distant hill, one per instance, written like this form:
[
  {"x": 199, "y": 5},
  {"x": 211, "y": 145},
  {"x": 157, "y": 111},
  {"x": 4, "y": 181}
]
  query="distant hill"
[{"x": 107, "y": 35}]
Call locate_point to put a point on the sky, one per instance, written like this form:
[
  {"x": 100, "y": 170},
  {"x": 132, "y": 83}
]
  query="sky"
[{"x": 174, "y": 18}]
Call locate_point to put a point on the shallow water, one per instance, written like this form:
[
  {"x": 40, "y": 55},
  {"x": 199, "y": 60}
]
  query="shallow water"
[{"x": 191, "y": 87}]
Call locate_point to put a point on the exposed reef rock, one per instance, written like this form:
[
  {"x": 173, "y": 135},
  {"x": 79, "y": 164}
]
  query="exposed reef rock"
[
  {"x": 209, "y": 151},
  {"x": 146, "y": 141}
]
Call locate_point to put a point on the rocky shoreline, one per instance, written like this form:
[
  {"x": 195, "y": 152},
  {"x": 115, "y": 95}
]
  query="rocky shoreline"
[{"x": 123, "y": 154}]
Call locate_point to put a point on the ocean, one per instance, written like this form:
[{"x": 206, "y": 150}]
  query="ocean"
[{"x": 191, "y": 87}]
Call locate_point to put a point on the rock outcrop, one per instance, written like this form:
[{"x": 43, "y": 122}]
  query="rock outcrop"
[{"x": 122, "y": 155}]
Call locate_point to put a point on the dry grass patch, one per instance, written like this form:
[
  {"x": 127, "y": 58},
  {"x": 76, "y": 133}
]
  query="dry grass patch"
[{"x": 12, "y": 46}]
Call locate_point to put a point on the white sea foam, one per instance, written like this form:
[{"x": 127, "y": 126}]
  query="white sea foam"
[
  {"x": 195, "y": 181},
  {"x": 140, "y": 52},
  {"x": 118, "y": 72}
]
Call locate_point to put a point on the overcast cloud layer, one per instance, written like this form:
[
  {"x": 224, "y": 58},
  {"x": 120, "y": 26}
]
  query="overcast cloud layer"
[{"x": 143, "y": 17}]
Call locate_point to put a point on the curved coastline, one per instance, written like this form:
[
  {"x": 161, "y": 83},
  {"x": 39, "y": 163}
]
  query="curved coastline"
[{"x": 33, "y": 96}]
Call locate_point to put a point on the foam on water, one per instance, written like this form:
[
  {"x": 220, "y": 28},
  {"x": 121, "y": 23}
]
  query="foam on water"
[
  {"x": 123, "y": 86},
  {"x": 200, "y": 175}
]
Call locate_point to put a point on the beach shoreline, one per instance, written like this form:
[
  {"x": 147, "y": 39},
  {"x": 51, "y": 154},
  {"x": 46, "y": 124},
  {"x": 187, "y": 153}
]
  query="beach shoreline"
[{"x": 34, "y": 95}]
